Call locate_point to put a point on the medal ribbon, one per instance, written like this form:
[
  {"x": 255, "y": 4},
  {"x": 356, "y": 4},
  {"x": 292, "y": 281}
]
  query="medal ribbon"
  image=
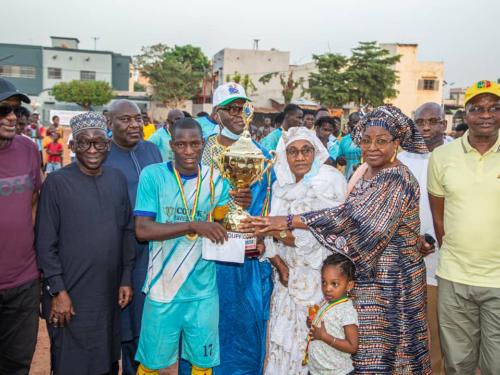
[
  {"x": 319, "y": 315},
  {"x": 212, "y": 191},
  {"x": 183, "y": 195},
  {"x": 265, "y": 206}
]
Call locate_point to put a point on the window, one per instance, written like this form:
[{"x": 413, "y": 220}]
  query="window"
[
  {"x": 54, "y": 73},
  {"x": 18, "y": 71},
  {"x": 428, "y": 84},
  {"x": 87, "y": 75}
]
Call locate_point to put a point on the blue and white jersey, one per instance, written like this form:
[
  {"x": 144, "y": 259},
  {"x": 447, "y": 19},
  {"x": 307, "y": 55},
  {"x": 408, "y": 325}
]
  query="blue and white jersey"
[{"x": 176, "y": 270}]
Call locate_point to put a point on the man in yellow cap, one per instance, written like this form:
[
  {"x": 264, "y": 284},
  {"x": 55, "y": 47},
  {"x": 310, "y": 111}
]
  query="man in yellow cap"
[{"x": 464, "y": 194}]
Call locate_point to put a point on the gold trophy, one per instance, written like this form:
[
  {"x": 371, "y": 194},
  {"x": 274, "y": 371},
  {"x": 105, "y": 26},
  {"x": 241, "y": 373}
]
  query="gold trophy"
[{"x": 242, "y": 163}]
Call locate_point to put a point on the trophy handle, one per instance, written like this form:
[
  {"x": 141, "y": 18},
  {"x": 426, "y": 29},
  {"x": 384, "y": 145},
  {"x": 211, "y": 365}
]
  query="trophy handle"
[{"x": 270, "y": 163}]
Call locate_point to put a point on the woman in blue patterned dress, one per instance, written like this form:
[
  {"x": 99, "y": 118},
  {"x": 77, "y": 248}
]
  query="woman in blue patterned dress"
[{"x": 377, "y": 228}]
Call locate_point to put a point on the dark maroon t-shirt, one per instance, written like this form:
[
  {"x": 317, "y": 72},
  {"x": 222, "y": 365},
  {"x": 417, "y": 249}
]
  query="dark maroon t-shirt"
[{"x": 19, "y": 178}]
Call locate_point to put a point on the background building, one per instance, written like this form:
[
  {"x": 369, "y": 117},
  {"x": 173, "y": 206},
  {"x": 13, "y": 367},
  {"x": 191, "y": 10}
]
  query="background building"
[
  {"x": 36, "y": 69},
  {"x": 257, "y": 63},
  {"x": 419, "y": 81}
]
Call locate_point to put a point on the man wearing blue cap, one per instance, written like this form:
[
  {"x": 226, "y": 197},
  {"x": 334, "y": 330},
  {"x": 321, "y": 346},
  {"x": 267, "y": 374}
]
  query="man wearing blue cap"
[{"x": 86, "y": 247}]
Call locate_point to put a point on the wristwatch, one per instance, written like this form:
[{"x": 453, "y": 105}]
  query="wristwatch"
[{"x": 283, "y": 234}]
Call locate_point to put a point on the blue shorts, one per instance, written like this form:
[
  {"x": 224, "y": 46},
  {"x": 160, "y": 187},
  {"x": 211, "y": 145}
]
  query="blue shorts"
[{"x": 163, "y": 324}]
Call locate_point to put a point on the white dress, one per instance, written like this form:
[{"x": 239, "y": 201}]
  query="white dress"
[{"x": 287, "y": 324}]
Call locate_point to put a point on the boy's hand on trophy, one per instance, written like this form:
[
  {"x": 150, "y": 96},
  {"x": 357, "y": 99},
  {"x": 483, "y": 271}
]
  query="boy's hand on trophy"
[{"x": 242, "y": 197}]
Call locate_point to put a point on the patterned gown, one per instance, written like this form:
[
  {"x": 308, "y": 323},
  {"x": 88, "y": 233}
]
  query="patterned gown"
[{"x": 378, "y": 229}]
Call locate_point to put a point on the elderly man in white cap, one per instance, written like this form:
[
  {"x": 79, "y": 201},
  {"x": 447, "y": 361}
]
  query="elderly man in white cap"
[
  {"x": 85, "y": 246},
  {"x": 244, "y": 290}
]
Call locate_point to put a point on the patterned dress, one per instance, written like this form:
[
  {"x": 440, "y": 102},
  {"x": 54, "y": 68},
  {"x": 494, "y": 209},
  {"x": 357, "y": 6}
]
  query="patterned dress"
[{"x": 378, "y": 229}]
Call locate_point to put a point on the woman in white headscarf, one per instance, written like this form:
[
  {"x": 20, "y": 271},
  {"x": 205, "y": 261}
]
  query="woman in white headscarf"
[{"x": 304, "y": 183}]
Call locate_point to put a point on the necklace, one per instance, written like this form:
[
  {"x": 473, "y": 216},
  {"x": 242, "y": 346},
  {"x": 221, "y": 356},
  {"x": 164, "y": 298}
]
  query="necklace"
[{"x": 189, "y": 236}]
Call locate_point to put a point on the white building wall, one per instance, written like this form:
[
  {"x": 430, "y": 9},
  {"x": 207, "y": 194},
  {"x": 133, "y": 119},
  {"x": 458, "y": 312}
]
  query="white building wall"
[
  {"x": 72, "y": 62},
  {"x": 302, "y": 72},
  {"x": 410, "y": 71},
  {"x": 255, "y": 63}
]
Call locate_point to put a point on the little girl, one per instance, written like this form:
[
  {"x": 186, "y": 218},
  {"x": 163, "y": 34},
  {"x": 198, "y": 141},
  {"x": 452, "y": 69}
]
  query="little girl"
[{"x": 334, "y": 327}]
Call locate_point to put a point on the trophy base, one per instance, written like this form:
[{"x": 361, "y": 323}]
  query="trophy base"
[{"x": 231, "y": 223}]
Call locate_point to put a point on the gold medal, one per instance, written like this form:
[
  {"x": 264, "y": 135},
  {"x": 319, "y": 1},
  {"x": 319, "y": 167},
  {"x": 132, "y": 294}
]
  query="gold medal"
[
  {"x": 192, "y": 236},
  {"x": 189, "y": 236}
]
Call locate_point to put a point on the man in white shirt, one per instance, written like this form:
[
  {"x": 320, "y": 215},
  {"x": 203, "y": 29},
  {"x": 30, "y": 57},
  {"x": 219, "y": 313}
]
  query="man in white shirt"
[{"x": 430, "y": 121}]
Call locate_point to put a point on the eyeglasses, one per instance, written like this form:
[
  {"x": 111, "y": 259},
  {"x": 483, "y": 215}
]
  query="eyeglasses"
[
  {"x": 5, "y": 109},
  {"x": 476, "y": 110},
  {"x": 233, "y": 110},
  {"x": 195, "y": 145},
  {"x": 304, "y": 151},
  {"x": 379, "y": 142},
  {"x": 431, "y": 121},
  {"x": 84, "y": 145}
]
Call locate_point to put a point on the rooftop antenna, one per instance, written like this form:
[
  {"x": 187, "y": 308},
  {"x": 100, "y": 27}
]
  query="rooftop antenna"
[
  {"x": 256, "y": 44},
  {"x": 96, "y": 38}
]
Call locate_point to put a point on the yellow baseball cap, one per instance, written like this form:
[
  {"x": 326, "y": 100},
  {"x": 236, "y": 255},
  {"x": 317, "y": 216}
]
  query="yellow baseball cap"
[{"x": 482, "y": 87}]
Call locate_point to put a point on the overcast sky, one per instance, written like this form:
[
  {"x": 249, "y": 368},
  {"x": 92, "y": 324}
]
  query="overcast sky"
[{"x": 463, "y": 34}]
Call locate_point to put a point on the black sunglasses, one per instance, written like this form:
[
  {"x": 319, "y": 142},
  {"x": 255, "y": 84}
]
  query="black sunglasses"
[{"x": 5, "y": 109}]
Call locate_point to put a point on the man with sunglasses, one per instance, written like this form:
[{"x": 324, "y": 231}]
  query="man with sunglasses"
[
  {"x": 430, "y": 121},
  {"x": 86, "y": 247},
  {"x": 130, "y": 154},
  {"x": 464, "y": 194},
  {"x": 244, "y": 290},
  {"x": 20, "y": 180}
]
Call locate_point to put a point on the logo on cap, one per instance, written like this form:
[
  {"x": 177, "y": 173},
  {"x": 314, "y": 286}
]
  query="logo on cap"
[
  {"x": 233, "y": 90},
  {"x": 483, "y": 84}
]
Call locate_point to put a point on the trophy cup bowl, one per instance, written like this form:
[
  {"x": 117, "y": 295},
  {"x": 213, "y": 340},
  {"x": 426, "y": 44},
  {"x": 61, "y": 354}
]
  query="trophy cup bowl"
[
  {"x": 242, "y": 167},
  {"x": 242, "y": 163}
]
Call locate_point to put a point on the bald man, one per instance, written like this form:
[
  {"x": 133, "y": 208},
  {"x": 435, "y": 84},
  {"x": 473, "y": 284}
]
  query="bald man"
[
  {"x": 430, "y": 121},
  {"x": 161, "y": 137},
  {"x": 130, "y": 154}
]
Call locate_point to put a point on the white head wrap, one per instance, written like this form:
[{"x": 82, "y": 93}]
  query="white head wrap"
[{"x": 283, "y": 173}]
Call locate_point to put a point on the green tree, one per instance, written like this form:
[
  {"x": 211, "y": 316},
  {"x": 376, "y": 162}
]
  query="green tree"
[
  {"x": 193, "y": 56},
  {"x": 245, "y": 81},
  {"x": 367, "y": 77},
  {"x": 371, "y": 74},
  {"x": 139, "y": 87},
  {"x": 174, "y": 73},
  {"x": 83, "y": 93},
  {"x": 288, "y": 84},
  {"x": 330, "y": 85}
]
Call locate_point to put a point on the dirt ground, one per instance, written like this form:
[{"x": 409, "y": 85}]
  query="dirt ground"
[{"x": 41, "y": 359}]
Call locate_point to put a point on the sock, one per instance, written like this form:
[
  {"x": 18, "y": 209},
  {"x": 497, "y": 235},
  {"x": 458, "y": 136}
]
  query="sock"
[{"x": 200, "y": 371}]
